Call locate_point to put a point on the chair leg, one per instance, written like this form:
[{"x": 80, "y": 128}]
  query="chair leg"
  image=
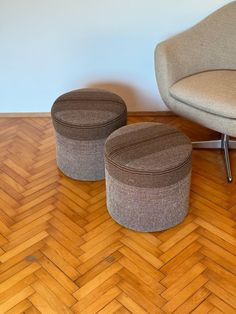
[
  {"x": 225, "y": 146},
  {"x": 208, "y": 144},
  {"x": 225, "y": 143},
  {"x": 232, "y": 144}
]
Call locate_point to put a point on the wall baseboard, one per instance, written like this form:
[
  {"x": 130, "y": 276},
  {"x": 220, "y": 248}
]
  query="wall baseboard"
[
  {"x": 150, "y": 113},
  {"x": 48, "y": 114},
  {"x": 25, "y": 114}
]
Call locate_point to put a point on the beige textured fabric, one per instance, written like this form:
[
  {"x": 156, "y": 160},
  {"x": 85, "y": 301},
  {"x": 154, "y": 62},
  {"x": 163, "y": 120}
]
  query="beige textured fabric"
[
  {"x": 147, "y": 209},
  {"x": 212, "y": 91},
  {"x": 80, "y": 160},
  {"x": 209, "y": 45},
  {"x": 214, "y": 122}
]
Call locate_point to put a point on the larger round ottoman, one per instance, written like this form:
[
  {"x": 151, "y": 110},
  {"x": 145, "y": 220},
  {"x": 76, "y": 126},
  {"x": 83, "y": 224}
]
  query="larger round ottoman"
[
  {"x": 83, "y": 119},
  {"x": 148, "y": 172}
]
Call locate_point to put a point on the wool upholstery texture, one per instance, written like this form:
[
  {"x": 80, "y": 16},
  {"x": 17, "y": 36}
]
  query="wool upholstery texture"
[
  {"x": 148, "y": 173},
  {"x": 201, "y": 57},
  {"x": 82, "y": 120},
  {"x": 211, "y": 91}
]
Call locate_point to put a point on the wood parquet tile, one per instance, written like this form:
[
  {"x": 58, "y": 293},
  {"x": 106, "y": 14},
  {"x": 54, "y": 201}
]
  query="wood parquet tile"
[{"x": 60, "y": 252}]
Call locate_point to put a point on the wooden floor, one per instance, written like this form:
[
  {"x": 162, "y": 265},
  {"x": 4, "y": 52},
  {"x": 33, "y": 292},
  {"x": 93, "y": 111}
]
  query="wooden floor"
[{"x": 62, "y": 253}]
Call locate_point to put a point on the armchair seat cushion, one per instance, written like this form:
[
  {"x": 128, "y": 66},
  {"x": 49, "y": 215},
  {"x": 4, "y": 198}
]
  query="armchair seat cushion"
[{"x": 211, "y": 91}]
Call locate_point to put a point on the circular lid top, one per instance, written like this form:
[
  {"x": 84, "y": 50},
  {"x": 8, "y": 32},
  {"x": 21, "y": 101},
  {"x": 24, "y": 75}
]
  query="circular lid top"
[
  {"x": 148, "y": 148},
  {"x": 87, "y": 108}
]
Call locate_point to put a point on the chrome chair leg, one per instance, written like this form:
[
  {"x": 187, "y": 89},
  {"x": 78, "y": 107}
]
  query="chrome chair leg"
[
  {"x": 207, "y": 144},
  {"x": 225, "y": 143},
  {"x": 232, "y": 144},
  {"x": 225, "y": 146}
]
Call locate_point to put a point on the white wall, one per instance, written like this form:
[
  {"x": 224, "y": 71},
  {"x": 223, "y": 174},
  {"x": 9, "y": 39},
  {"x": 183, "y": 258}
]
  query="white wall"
[{"x": 48, "y": 47}]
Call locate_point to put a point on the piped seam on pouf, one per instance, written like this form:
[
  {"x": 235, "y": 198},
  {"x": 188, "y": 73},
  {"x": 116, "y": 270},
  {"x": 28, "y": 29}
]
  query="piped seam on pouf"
[{"x": 89, "y": 126}]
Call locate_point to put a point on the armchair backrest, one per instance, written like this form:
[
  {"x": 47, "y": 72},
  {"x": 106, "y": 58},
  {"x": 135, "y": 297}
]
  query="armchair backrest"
[{"x": 209, "y": 45}]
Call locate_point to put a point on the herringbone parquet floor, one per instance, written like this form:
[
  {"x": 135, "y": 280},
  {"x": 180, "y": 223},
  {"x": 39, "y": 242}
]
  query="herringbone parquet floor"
[{"x": 60, "y": 252}]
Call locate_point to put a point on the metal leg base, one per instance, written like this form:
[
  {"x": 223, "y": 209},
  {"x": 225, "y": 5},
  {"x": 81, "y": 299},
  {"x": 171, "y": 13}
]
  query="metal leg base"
[{"x": 225, "y": 143}]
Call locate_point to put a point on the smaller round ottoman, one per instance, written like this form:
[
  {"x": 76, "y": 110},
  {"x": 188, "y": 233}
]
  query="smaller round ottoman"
[
  {"x": 82, "y": 120},
  {"x": 148, "y": 173}
]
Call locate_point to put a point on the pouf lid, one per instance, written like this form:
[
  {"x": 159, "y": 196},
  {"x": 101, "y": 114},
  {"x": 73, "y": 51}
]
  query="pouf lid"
[
  {"x": 82, "y": 112},
  {"x": 149, "y": 149}
]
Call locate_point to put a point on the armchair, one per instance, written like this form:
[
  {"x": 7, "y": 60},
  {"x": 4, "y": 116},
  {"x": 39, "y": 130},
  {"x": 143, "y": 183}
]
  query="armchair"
[{"x": 196, "y": 76}]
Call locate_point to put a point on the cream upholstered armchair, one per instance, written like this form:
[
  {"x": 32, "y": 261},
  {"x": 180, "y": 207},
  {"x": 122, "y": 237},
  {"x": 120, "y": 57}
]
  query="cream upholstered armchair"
[{"x": 196, "y": 75}]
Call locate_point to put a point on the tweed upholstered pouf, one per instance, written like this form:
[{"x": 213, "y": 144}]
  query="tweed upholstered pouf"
[
  {"x": 148, "y": 172},
  {"x": 83, "y": 119}
]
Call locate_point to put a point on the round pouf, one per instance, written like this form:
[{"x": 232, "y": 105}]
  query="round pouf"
[
  {"x": 148, "y": 173},
  {"x": 83, "y": 119}
]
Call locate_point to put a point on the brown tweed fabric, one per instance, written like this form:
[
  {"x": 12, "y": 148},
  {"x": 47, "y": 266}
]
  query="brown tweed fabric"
[
  {"x": 148, "y": 171},
  {"x": 155, "y": 154},
  {"x": 82, "y": 120},
  {"x": 86, "y": 114}
]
